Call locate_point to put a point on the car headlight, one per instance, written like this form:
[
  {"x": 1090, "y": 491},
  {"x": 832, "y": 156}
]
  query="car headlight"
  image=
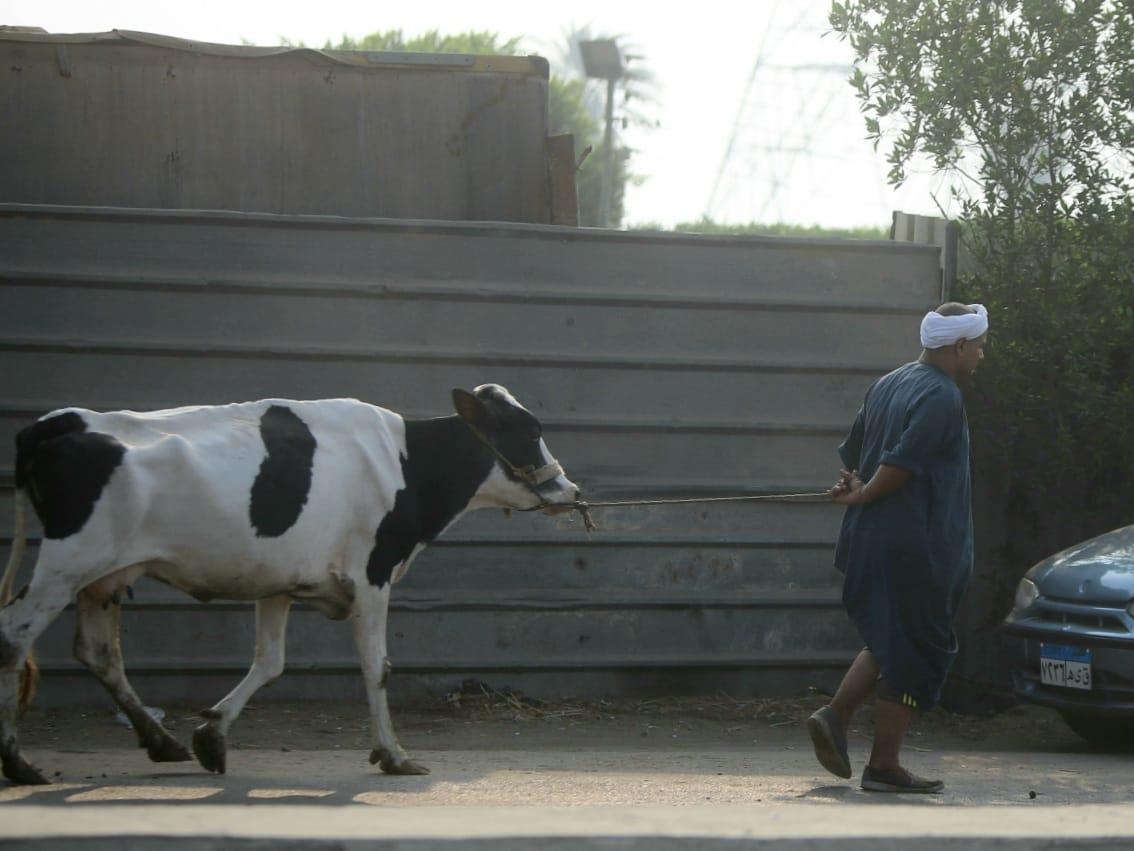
[{"x": 1026, "y": 593}]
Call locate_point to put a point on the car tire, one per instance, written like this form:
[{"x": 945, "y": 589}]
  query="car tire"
[{"x": 1103, "y": 730}]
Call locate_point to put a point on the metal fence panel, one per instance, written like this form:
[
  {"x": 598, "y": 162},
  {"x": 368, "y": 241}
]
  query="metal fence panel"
[{"x": 660, "y": 365}]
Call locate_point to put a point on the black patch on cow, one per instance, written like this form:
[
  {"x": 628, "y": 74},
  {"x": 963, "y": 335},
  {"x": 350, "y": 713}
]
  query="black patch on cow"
[
  {"x": 284, "y": 481},
  {"x": 516, "y": 434},
  {"x": 443, "y": 467},
  {"x": 63, "y": 468}
]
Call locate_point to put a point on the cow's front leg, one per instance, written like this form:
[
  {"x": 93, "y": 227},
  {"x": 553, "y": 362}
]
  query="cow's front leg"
[
  {"x": 368, "y": 618},
  {"x": 267, "y": 664},
  {"x": 97, "y": 646}
]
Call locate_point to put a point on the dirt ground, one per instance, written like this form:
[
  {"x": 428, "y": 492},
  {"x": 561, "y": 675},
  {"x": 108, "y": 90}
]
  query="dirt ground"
[{"x": 464, "y": 720}]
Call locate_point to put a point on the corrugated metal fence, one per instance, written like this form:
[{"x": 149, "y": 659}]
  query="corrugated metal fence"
[{"x": 660, "y": 365}]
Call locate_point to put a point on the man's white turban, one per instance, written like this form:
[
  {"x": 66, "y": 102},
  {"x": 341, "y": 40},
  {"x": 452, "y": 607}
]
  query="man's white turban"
[{"x": 938, "y": 330}]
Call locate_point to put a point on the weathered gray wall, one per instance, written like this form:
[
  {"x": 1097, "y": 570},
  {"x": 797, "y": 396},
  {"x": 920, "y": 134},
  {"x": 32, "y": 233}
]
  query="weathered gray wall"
[
  {"x": 660, "y": 365},
  {"x": 133, "y": 120}
]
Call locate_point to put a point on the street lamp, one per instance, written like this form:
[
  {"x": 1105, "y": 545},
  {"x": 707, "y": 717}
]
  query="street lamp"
[{"x": 602, "y": 60}]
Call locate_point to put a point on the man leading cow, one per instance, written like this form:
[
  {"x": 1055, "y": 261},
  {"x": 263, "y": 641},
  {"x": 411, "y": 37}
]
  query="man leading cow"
[{"x": 906, "y": 545}]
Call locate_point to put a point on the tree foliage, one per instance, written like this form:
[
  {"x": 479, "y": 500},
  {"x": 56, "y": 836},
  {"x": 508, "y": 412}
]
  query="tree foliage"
[
  {"x": 433, "y": 41},
  {"x": 1027, "y": 103}
]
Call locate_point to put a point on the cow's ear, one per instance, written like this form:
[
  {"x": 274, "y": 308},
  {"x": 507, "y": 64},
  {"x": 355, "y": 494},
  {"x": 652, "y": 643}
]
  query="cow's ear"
[{"x": 469, "y": 408}]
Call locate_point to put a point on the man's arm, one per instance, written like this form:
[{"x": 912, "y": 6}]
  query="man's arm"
[
  {"x": 851, "y": 491},
  {"x": 850, "y": 449}
]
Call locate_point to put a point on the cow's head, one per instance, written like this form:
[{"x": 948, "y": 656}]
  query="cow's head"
[{"x": 525, "y": 475}]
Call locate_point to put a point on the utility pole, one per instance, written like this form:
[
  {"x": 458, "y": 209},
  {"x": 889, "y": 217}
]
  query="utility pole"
[
  {"x": 602, "y": 60},
  {"x": 607, "y": 156}
]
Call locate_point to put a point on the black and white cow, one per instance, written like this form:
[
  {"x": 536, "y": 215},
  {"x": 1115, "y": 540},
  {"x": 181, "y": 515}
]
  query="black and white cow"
[{"x": 325, "y": 501}]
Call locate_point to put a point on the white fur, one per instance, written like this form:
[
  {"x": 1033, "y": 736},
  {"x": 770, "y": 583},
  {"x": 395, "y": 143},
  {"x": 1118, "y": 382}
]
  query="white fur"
[{"x": 192, "y": 469}]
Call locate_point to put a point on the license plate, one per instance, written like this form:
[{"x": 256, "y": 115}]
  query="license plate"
[{"x": 1064, "y": 666}]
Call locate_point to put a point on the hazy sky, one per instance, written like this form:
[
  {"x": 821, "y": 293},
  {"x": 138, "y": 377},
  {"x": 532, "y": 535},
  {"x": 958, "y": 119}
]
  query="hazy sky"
[{"x": 799, "y": 153}]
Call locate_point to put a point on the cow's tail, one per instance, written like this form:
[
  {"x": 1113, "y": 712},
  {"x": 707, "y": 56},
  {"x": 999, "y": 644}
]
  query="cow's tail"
[
  {"x": 19, "y": 541},
  {"x": 29, "y": 677}
]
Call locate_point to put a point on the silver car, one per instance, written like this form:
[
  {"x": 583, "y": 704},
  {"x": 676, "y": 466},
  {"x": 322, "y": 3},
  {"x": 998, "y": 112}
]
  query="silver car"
[{"x": 1075, "y": 612}]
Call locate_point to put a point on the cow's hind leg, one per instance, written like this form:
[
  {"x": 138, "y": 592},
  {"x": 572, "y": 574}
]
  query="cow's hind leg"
[
  {"x": 98, "y": 647},
  {"x": 21, "y": 623},
  {"x": 267, "y": 665},
  {"x": 369, "y": 621}
]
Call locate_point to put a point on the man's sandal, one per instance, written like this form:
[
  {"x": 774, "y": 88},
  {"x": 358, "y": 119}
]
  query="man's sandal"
[{"x": 826, "y": 731}]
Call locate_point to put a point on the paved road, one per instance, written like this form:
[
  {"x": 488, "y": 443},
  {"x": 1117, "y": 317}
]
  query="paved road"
[{"x": 595, "y": 779}]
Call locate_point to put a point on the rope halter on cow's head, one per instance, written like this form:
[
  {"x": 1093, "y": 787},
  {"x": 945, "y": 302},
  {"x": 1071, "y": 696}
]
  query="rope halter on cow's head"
[
  {"x": 530, "y": 475},
  {"x": 472, "y": 410}
]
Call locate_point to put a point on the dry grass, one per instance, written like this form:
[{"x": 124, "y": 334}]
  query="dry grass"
[{"x": 480, "y": 701}]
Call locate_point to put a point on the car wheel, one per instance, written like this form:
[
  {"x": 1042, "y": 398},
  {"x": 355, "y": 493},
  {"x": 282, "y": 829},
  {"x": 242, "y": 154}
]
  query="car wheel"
[{"x": 1104, "y": 730}]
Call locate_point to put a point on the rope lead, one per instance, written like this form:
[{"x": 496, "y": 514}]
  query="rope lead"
[{"x": 584, "y": 507}]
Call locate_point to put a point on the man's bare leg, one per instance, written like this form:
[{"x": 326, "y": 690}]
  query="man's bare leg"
[
  {"x": 891, "y": 720},
  {"x": 857, "y": 685}
]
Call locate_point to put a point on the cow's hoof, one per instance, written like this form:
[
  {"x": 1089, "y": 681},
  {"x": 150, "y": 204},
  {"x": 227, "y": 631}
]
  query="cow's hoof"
[
  {"x": 22, "y": 772},
  {"x": 390, "y": 765},
  {"x": 168, "y": 749},
  {"x": 209, "y": 746}
]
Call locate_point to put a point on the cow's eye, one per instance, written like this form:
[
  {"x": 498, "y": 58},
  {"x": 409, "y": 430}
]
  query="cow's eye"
[{"x": 525, "y": 430}]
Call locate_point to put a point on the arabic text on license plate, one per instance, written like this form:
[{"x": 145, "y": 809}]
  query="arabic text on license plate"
[{"x": 1064, "y": 666}]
